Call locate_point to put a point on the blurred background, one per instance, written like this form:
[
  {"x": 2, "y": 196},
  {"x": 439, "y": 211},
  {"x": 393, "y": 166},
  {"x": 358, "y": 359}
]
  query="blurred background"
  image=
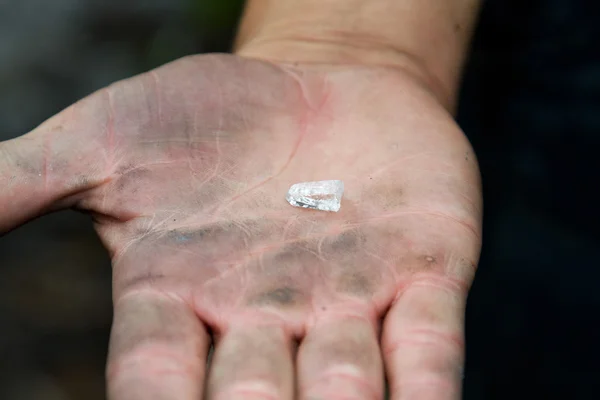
[{"x": 530, "y": 105}]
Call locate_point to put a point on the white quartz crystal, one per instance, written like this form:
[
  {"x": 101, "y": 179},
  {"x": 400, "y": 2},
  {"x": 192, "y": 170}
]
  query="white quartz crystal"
[{"x": 321, "y": 195}]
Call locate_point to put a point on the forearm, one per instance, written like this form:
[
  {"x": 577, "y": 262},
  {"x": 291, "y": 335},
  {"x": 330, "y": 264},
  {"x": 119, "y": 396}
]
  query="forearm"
[{"x": 427, "y": 37}]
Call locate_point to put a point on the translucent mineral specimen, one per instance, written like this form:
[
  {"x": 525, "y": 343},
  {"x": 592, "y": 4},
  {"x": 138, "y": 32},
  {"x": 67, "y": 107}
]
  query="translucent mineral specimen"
[{"x": 321, "y": 195}]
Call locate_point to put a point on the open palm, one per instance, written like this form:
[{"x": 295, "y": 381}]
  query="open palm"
[{"x": 185, "y": 170}]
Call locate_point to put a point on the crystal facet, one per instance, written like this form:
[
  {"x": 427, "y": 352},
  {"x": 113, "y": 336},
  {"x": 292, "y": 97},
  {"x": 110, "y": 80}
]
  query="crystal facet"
[{"x": 321, "y": 195}]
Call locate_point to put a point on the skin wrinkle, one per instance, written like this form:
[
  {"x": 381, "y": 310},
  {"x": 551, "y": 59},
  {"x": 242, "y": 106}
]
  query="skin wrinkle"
[
  {"x": 346, "y": 308},
  {"x": 146, "y": 356},
  {"x": 283, "y": 296},
  {"x": 320, "y": 246},
  {"x": 347, "y": 226},
  {"x": 402, "y": 160},
  {"x": 133, "y": 174},
  {"x": 355, "y": 283},
  {"x": 287, "y": 226},
  {"x": 147, "y": 280},
  {"x": 46, "y": 157},
  {"x": 399, "y": 60},
  {"x": 303, "y": 132},
  {"x": 156, "y": 80},
  {"x": 110, "y": 126},
  {"x": 184, "y": 300},
  {"x": 452, "y": 286},
  {"x": 384, "y": 261},
  {"x": 266, "y": 317},
  {"x": 471, "y": 202},
  {"x": 175, "y": 140},
  {"x": 189, "y": 142},
  {"x": 423, "y": 279},
  {"x": 426, "y": 336},
  {"x": 418, "y": 212},
  {"x": 247, "y": 233},
  {"x": 349, "y": 238},
  {"x": 213, "y": 173},
  {"x": 262, "y": 394},
  {"x": 144, "y": 96},
  {"x": 217, "y": 139},
  {"x": 273, "y": 247},
  {"x": 445, "y": 383},
  {"x": 312, "y": 109},
  {"x": 314, "y": 253},
  {"x": 355, "y": 378},
  {"x": 161, "y": 233},
  {"x": 221, "y": 275},
  {"x": 459, "y": 193},
  {"x": 243, "y": 109},
  {"x": 441, "y": 173}
]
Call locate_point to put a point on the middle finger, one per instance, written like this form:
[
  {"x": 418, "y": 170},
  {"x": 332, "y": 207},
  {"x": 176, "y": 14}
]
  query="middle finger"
[
  {"x": 252, "y": 362},
  {"x": 340, "y": 358}
]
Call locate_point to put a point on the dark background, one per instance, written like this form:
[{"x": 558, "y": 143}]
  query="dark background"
[{"x": 530, "y": 105}]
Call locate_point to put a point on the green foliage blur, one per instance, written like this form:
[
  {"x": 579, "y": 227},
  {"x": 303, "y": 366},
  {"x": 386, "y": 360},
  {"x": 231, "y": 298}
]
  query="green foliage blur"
[
  {"x": 215, "y": 14},
  {"x": 207, "y": 26}
]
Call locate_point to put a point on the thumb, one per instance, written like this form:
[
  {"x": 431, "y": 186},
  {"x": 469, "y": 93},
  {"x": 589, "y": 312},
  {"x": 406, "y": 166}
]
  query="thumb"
[{"x": 47, "y": 168}]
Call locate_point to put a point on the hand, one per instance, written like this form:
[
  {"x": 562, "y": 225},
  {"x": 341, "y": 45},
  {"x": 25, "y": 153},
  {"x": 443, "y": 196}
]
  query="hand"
[{"x": 185, "y": 171}]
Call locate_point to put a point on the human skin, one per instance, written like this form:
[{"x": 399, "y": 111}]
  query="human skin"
[{"x": 185, "y": 169}]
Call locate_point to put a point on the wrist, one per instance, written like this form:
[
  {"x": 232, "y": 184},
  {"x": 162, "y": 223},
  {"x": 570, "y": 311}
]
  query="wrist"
[
  {"x": 426, "y": 38},
  {"x": 336, "y": 52}
]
